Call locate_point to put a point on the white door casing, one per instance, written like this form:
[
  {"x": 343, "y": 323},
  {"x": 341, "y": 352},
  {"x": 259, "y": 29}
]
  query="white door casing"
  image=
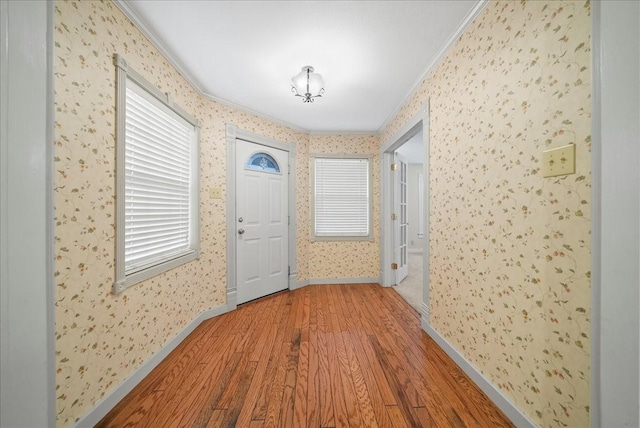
[
  {"x": 401, "y": 214},
  {"x": 261, "y": 223}
]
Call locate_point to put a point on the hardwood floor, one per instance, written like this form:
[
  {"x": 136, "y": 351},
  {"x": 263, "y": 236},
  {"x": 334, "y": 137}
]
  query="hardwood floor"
[{"x": 320, "y": 356}]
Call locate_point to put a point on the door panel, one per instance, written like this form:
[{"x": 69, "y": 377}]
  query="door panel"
[
  {"x": 401, "y": 222},
  {"x": 262, "y": 226}
]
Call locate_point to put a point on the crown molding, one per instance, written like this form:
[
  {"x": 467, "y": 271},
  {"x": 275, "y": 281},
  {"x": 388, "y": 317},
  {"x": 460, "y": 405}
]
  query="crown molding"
[
  {"x": 459, "y": 31},
  {"x": 367, "y": 133}
]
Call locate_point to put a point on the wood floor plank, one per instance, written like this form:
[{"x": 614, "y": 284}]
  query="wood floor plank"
[
  {"x": 327, "y": 414},
  {"x": 217, "y": 417},
  {"x": 236, "y": 403},
  {"x": 199, "y": 405},
  {"x": 360, "y": 388},
  {"x": 191, "y": 384},
  {"x": 320, "y": 356},
  {"x": 374, "y": 384},
  {"x": 396, "y": 416},
  {"x": 313, "y": 383},
  {"x": 273, "y": 411},
  {"x": 257, "y": 381},
  {"x": 397, "y": 381},
  {"x": 302, "y": 386}
]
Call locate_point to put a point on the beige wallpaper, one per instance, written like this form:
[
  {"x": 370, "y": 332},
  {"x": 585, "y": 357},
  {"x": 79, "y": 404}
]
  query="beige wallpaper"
[
  {"x": 101, "y": 338},
  {"x": 509, "y": 249},
  {"x": 347, "y": 259}
]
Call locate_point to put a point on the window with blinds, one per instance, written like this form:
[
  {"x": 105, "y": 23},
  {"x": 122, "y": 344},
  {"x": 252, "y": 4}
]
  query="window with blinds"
[
  {"x": 157, "y": 197},
  {"x": 342, "y": 198}
]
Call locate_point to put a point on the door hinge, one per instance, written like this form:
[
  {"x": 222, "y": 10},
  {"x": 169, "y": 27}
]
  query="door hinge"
[
  {"x": 394, "y": 216},
  {"x": 288, "y": 219},
  {"x": 394, "y": 266},
  {"x": 394, "y": 166},
  {"x": 289, "y": 270}
]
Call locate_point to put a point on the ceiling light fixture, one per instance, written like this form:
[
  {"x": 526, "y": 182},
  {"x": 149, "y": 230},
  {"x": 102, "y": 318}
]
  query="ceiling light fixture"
[{"x": 307, "y": 84}]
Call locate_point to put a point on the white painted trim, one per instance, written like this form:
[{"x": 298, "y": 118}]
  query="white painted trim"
[
  {"x": 333, "y": 133},
  {"x": 416, "y": 250},
  {"x": 615, "y": 240},
  {"x": 27, "y": 324},
  {"x": 333, "y": 281},
  {"x": 596, "y": 215},
  {"x": 453, "y": 38},
  {"x": 424, "y": 320},
  {"x": 103, "y": 407},
  {"x": 231, "y": 211},
  {"x": 508, "y": 408},
  {"x": 234, "y": 133},
  {"x": 300, "y": 284}
]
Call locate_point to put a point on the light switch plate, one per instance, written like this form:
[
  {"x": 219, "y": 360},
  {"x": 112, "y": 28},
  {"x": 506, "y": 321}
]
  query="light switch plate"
[
  {"x": 215, "y": 193},
  {"x": 560, "y": 161}
]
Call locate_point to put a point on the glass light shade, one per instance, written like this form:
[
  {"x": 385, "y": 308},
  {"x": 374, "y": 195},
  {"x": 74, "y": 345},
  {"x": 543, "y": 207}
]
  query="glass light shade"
[
  {"x": 299, "y": 82},
  {"x": 315, "y": 82}
]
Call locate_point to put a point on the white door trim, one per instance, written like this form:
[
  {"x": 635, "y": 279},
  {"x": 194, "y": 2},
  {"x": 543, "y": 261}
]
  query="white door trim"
[
  {"x": 615, "y": 248},
  {"x": 387, "y": 277},
  {"x": 233, "y": 133},
  {"x": 27, "y": 327}
]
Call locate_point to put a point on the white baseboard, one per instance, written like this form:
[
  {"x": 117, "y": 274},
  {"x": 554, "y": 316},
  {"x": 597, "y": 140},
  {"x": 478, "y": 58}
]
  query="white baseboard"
[
  {"x": 103, "y": 407},
  {"x": 508, "y": 408},
  {"x": 298, "y": 284},
  {"x": 331, "y": 281},
  {"x": 425, "y": 315}
]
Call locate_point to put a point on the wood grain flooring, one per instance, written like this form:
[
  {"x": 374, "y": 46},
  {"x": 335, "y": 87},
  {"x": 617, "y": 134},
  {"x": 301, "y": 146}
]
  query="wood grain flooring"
[{"x": 320, "y": 356}]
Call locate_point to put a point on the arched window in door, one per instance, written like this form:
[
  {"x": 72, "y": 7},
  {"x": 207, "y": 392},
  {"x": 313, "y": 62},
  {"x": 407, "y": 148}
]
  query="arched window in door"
[{"x": 263, "y": 162}]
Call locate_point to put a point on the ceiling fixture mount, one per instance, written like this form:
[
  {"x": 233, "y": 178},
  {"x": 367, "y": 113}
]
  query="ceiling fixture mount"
[{"x": 307, "y": 84}]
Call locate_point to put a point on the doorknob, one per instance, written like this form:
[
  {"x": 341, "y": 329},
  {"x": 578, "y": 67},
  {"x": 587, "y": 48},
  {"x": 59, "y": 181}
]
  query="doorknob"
[{"x": 240, "y": 231}]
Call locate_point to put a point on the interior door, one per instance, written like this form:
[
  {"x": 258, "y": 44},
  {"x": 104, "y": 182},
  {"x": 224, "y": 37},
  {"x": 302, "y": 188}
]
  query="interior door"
[
  {"x": 401, "y": 215},
  {"x": 262, "y": 220}
]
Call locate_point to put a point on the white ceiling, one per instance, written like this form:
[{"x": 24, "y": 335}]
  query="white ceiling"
[{"x": 371, "y": 54}]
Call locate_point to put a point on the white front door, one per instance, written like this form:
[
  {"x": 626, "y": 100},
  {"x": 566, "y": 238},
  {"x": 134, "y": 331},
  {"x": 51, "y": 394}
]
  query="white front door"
[
  {"x": 401, "y": 218},
  {"x": 262, "y": 220}
]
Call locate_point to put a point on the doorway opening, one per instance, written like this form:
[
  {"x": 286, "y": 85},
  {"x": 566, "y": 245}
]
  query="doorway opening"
[
  {"x": 409, "y": 223},
  {"x": 405, "y": 212}
]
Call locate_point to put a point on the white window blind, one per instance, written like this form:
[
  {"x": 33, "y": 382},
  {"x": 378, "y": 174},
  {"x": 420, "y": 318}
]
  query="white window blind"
[
  {"x": 342, "y": 197},
  {"x": 158, "y": 181}
]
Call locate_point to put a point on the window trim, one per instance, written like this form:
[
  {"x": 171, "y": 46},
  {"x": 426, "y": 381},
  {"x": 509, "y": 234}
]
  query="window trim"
[
  {"x": 122, "y": 279},
  {"x": 324, "y": 238}
]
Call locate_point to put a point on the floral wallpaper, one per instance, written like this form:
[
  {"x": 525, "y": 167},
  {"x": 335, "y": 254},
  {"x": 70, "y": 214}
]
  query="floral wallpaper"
[
  {"x": 347, "y": 259},
  {"x": 102, "y": 338},
  {"x": 509, "y": 249}
]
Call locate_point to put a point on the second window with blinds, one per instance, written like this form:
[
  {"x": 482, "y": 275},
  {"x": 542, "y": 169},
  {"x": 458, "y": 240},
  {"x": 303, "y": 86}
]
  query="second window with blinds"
[{"x": 341, "y": 197}]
